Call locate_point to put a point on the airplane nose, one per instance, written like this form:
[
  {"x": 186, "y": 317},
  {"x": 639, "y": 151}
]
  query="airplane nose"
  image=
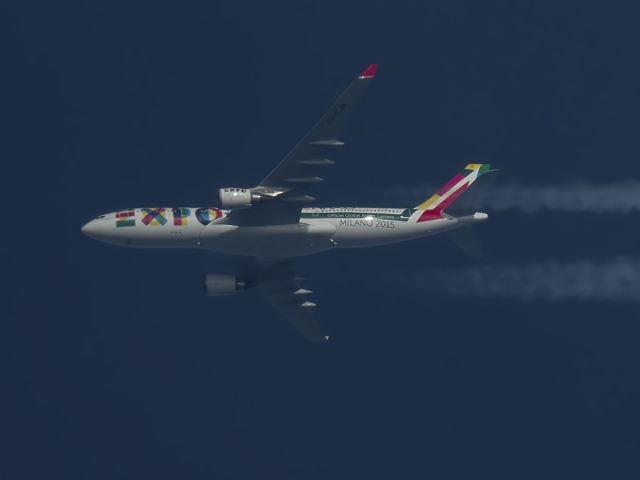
[
  {"x": 88, "y": 228},
  {"x": 103, "y": 229}
]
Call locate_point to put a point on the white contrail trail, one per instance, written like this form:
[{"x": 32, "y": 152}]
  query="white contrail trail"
[
  {"x": 614, "y": 280},
  {"x": 615, "y": 197}
]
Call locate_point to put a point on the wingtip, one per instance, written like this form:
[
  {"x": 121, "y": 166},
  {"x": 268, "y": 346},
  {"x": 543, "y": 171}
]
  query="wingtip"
[{"x": 370, "y": 71}]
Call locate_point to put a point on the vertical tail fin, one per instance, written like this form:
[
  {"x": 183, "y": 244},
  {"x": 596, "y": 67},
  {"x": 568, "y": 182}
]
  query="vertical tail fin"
[{"x": 433, "y": 207}]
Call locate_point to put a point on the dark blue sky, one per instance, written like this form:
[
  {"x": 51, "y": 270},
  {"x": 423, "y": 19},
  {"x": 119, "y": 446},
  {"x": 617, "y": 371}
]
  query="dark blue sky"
[{"x": 114, "y": 365}]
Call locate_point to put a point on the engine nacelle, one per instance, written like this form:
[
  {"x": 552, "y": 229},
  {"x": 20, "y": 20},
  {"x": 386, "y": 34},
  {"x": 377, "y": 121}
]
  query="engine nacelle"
[
  {"x": 221, "y": 284},
  {"x": 238, "y": 197}
]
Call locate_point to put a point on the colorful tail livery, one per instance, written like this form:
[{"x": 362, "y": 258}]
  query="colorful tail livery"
[{"x": 432, "y": 208}]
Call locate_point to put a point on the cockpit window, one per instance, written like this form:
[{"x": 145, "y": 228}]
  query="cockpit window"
[{"x": 100, "y": 216}]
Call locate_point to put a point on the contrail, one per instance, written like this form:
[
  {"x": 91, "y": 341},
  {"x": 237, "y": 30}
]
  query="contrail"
[
  {"x": 615, "y": 280},
  {"x": 614, "y": 197}
]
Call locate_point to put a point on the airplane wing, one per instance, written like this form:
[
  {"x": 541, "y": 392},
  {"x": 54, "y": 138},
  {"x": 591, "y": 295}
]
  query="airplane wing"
[
  {"x": 279, "y": 286},
  {"x": 306, "y": 164},
  {"x": 308, "y": 160},
  {"x": 292, "y": 302}
]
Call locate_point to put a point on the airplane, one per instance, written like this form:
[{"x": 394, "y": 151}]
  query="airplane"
[{"x": 271, "y": 224}]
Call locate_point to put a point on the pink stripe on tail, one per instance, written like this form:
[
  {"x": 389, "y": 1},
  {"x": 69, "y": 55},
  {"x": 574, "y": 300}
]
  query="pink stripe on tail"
[
  {"x": 450, "y": 184},
  {"x": 453, "y": 197},
  {"x": 370, "y": 71}
]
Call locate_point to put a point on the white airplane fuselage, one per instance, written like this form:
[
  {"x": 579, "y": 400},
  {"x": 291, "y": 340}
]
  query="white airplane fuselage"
[{"x": 319, "y": 229}]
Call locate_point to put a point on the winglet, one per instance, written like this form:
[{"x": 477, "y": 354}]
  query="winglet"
[{"x": 369, "y": 72}]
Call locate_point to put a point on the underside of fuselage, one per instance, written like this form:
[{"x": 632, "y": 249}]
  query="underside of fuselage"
[{"x": 277, "y": 241}]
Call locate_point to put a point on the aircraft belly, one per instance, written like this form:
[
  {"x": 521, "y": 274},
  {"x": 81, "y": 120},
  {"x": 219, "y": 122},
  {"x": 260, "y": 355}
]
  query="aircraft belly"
[
  {"x": 169, "y": 237},
  {"x": 276, "y": 241},
  {"x": 142, "y": 236}
]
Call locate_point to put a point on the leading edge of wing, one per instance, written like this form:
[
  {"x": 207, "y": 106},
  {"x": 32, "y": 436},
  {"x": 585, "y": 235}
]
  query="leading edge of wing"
[{"x": 308, "y": 159}]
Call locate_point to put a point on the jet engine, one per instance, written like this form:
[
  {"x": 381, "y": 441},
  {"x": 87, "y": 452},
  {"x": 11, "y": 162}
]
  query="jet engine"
[
  {"x": 221, "y": 284},
  {"x": 238, "y": 197}
]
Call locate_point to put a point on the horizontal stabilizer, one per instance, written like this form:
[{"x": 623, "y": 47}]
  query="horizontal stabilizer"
[{"x": 468, "y": 241}]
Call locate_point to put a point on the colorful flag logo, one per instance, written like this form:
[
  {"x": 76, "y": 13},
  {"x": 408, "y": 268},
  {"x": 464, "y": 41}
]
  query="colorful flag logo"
[
  {"x": 154, "y": 216},
  {"x": 180, "y": 216},
  {"x": 126, "y": 218},
  {"x": 207, "y": 215}
]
